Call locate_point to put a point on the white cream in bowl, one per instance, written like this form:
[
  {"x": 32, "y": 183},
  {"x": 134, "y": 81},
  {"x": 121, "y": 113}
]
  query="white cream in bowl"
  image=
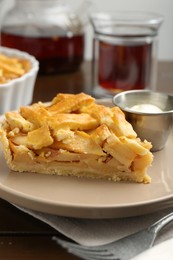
[{"x": 146, "y": 108}]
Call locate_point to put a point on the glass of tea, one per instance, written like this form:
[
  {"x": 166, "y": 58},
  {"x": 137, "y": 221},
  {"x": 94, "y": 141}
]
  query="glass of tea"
[{"x": 124, "y": 51}]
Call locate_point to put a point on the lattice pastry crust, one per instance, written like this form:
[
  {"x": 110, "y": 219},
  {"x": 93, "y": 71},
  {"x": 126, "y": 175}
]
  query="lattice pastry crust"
[{"x": 73, "y": 135}]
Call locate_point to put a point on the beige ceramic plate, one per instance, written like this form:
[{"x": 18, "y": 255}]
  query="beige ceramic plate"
[{"x": 85, "y": 198}]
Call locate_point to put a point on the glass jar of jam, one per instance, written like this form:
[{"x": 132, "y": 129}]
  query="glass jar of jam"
[{"x": 47, "y": 29}]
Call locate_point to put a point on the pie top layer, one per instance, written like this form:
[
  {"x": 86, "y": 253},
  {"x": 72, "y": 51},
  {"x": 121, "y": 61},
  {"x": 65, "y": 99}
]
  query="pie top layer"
[{"x": 76, "y": 124}]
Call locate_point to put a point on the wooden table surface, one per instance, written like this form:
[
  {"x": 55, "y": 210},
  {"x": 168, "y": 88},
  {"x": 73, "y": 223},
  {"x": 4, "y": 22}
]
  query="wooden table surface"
[{"x": 11, "y": 219}]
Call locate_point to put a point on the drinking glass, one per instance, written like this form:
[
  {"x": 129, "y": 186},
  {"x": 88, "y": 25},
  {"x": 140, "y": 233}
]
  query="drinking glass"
[{"x": 124, "y": 51}]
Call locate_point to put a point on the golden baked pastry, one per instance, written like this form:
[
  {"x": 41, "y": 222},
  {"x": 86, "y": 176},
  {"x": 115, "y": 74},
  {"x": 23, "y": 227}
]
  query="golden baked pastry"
[
  {"x": 12, "y": 67},
  {"x": 73, "y": 135}
]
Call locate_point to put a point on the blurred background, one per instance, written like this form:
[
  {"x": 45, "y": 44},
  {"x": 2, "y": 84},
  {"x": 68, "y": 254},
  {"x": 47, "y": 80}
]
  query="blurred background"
[{"x": 163, "y": 7}]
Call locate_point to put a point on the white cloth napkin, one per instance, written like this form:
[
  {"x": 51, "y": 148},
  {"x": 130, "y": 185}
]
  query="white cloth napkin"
[
  {"x": 161, "y": 251},
  {"x": 97, "y": 231}
]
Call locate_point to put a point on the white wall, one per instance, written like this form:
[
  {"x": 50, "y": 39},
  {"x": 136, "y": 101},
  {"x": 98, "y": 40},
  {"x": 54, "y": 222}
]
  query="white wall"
[{"x": 164, "y": 7}]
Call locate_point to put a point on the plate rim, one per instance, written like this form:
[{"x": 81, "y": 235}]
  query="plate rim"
[{"x": 90, "y": 210}]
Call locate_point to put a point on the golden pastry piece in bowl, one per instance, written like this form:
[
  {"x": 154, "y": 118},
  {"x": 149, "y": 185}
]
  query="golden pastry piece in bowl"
[
  {"x": 18, "y": 72},
  {"x": 74, "y": 135}
]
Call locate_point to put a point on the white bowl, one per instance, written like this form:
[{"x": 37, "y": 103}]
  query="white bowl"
[{"x": 19, "y": 91}]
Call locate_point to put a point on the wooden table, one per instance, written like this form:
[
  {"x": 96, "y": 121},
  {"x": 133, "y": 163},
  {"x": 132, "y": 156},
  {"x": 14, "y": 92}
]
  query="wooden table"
[{"x": 11, "y": 219}]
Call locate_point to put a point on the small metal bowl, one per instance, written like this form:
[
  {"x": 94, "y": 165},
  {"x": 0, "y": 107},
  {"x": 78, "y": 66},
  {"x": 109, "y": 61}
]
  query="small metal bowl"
[{"x": 155, "y": 127}]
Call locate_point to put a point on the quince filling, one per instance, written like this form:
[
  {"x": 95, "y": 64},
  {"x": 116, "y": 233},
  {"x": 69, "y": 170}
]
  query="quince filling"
[{"x": 73, "y": 135}]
